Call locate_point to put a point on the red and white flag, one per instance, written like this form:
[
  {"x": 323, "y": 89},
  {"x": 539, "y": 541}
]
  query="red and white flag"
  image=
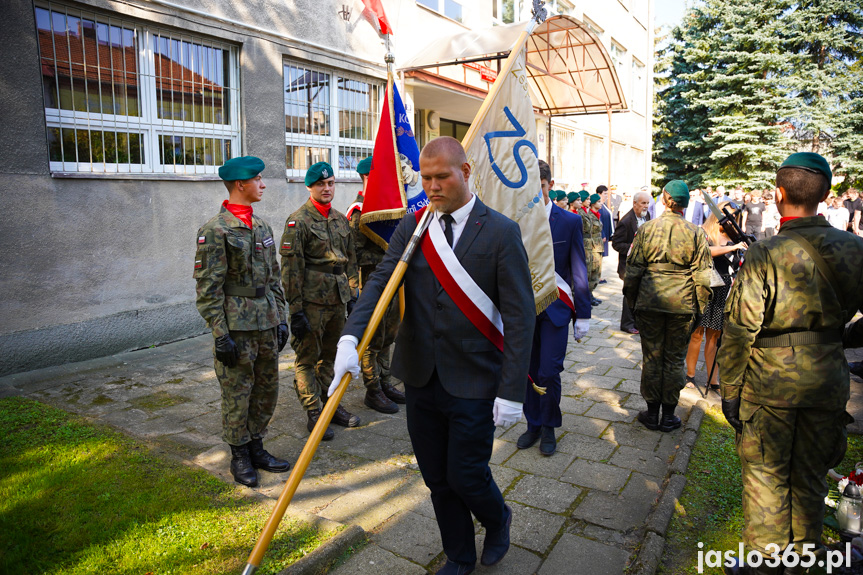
[{"x": 373, "y": 11}]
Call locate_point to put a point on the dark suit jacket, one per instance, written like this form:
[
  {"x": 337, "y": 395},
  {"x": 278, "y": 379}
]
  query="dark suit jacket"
[
  {"x": 435, "y": 334},
  {"x": 569, "y": 263},
  {"x": 605, "y": 220},
  {"x": 622, "y": 239}
]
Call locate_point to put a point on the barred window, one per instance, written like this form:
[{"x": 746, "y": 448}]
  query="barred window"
[
  {"x": 122, "y": 98},
  {"x": 329, "y": 117}
]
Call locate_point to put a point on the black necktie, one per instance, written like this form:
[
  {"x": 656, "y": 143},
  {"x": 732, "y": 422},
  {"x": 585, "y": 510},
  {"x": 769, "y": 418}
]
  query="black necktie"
[{"x": 447, "y": 230}]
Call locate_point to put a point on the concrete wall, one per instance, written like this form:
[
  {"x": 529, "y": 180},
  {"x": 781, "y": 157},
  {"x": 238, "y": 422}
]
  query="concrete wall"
[{"x": 93, "y": 266}]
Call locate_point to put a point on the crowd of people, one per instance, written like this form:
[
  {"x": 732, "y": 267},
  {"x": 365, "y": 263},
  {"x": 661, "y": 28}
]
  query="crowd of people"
[{"x": 773, "y": 337}]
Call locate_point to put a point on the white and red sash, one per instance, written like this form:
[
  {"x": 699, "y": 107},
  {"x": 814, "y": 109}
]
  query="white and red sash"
[
  {"x": 459, "y": 286},
  {"x": 354, "y": 206},
  {"x": 564, "y": 292}
]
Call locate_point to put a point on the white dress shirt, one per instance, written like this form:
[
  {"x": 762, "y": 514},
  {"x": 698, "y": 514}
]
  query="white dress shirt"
[{"x": 459, "y": 220}]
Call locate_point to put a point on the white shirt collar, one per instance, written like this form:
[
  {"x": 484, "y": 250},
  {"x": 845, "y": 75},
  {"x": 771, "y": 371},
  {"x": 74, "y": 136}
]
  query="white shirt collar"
[
  {"x": 460, "y": 214},
  {"x": 548, "y": 209}
]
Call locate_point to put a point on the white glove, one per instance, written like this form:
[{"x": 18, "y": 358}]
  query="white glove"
[
  {"x": 580, "y": 329},
  {"x": 347, "y": 360},
  {"x": 506, "y": 412}
]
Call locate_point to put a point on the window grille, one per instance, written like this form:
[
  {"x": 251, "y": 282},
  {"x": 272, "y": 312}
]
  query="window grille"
[
  {"x": 125, "y": 98},
  {"x": 564, "y": 165},
  {"x": 329, "y": 117},
  {"x": 596, "y": 170}
]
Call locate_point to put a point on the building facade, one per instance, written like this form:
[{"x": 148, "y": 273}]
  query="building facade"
[{"x": 117, "y": 115}]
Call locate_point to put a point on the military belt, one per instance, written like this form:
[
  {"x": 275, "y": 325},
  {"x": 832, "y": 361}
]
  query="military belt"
[
  {"x": 335, "y": 269},
  {"x": 241, "y": 291},
  {"x": 799, "y": 338},
  {"x": 667, "y": 267}
]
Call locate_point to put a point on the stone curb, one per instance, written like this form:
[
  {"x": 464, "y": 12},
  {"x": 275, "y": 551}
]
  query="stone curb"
[
  {"x": 319, "y": 560},
  {"x": 661, "y": 516},
  {"x": 650, "y": 553},
  {"x": 648, "y": 557}
]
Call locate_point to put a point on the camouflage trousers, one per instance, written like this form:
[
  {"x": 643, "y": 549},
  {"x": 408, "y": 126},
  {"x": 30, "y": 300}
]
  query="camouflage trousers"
[
  {"x": 594, "y": 269},
  {"x": 664, "y": 341},
  {"x": 316, "y": 353},
  {"x": 251, "y": 389},
  {"x": 785, "y": 455},
  {"x": 376, "y": 360}
]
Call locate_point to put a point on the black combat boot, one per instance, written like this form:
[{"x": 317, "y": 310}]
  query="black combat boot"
[
  {"x": 669, "y": 422},
  {"x": 392, "y": 392},
  {"x": 314, "y": 414},
  {"x": 241, "y": 466},
  {"x": 262, "y": 459},
  {"x": 344, "y": 417},
  {"x": 650, "y": 418},
  {"x": 376, "y": 400}
]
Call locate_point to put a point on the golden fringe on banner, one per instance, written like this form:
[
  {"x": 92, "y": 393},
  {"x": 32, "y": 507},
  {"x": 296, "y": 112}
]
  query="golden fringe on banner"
[{"x": 545, "y": 302}]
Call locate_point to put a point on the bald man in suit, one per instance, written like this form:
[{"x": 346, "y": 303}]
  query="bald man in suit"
[{"x": 458, "y": 384}]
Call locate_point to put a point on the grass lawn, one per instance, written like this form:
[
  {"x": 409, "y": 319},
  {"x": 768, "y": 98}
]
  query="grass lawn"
[
  {"x": 710, "y": 510},
  {"x": 80, "y": 498}
]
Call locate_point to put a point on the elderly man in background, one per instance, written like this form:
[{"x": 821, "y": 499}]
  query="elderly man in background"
[{"x": 621, "y": 242}]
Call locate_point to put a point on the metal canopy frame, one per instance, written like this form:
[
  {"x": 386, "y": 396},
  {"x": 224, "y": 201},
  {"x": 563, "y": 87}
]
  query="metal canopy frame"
[{"x": 570, "y": 71}]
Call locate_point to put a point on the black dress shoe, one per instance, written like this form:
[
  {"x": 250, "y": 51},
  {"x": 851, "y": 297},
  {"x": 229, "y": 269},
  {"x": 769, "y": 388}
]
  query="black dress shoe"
[
  {"x": 262, "y": 459},
  {"x": 345, "y": 418},
  {"x": 314, "y": 415},
  {"x": 497, "y": 544},
  {"x": 376, "y": 400},
  {"x": 392, "y": 392},
  {"x": 455, "y": 568},
  {"x": 548, "y": 443},
  {"x": 241, "y": 466},
  {"x": 527, "y": 439}
]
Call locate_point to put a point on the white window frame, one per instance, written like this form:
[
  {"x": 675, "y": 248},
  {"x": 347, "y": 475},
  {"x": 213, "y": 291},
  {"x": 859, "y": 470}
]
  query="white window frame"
[
  {"x": 148, "y": 125},
  {"x": 333, "y": 141},
  {"x": 441, "y": 8},
  {"x": 618, "y": 57},
  {"x": 638, "y": 86}
]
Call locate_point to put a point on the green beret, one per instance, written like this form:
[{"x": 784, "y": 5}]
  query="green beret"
[
  {"x": 679, "y": 192},
  {"x": 595, "y": 198},
  {"x": 584, "y": 194},
  {"x": 572, "y": 197},
  {"x": 319, "y": 171},
  {"x": 559, "y": 195},
  {"x": 243, "y": 168},
  {"x": 365, "y": 166},
  {"x": 809, "y": 161}
]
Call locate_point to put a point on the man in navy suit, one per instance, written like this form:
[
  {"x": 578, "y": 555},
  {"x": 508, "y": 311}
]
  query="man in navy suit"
[
  {"x": 458, "y": 384},
  {"x": 605, "y": 219},
  {"x": 552, "y": 325}
]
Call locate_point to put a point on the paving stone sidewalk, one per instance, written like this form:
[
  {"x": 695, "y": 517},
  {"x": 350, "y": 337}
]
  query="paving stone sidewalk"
[{"x": 587, "y": 509}]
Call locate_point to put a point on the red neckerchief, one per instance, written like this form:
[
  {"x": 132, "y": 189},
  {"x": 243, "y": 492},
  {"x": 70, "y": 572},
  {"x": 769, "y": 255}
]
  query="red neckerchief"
[
  {"x": 787, "y": 219},
  {"x": 678, "y": 212},
  {"x": 243, "y": 213},
  {"x": 595, "y": 214},
  {"x": 324, "y": 209}
]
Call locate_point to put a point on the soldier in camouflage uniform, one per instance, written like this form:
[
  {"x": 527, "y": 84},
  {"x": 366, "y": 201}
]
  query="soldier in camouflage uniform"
[
  {"x": 592, "y": 240},
  {"x": 783, "y": 374},
  {"x": 319, "y": 272},
  {"x": 667, "y": 284},
  {"x": 240, "y": 297},
  {"x": 381, "y": 394}
]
